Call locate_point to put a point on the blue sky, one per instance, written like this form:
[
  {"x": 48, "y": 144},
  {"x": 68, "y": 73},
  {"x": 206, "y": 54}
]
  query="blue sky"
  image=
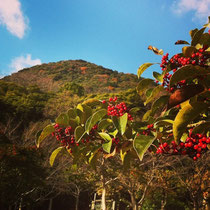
[{"x": 111, "y": 33}]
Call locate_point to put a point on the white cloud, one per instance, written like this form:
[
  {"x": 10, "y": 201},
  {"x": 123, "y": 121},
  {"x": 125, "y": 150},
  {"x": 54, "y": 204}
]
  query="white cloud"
[
  {"x": 201, "y": 8},
  {"x": 23, "y": 62},
  {"x": 12, "y": 17}
]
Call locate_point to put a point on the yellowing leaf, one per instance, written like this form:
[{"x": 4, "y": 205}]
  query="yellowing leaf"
[
  {"x": 143, "y": 86},
  {"x": 187, "y": 114},
  {"x": 155, "y": 50},
  {"x": 54, "y": 154},
  {"x": 142, "y": 68},
  {"x": 49, "y": 129}
]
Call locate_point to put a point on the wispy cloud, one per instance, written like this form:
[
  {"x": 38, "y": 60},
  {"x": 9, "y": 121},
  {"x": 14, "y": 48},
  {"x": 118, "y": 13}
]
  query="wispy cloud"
[
  {"x": 201, "y": 8},
  {"x": 12, "y": 17},
  {"x": 22, "y": 62}
]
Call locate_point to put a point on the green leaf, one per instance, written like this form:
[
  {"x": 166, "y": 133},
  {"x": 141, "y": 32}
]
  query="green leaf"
[
  {"x": 186, "y": 72},
  {"x": 158, "y": 76},
  {"x": 72, "y": 113},
  {"x": 105, "y": 136},
  {"x": 192, "y": 32},
  {"x": 142, "y": 68},
  {"x": 163, "y": 123},
  {"x": 105, "y": 123},
  {"x": 94, "y": 157},
  {"x": 205, "y": 39},
  {"x": 149, "y": 92},
  {"x": 54, "y": 154},
  {"x": 79, "y": 133},
  {"x": 143, "y": 86},
  {"x": 107, "y": 146},
  {"x": 49, "y": 129},
  {"x": 181, "y": 42},
  {"x": 134, "y": 110},
  {"x": 92, "y": 102},
  {"x": 197, "y": 36},
  {"x": 129, "y": 132},
  {"x": 147, "y": 115},
  {"x": 97, "y": 116},
  {"x": 202, "y": 128},
  {"x": 121, "y": 123},
  {"x": 187, "y": 114},
  {"x": 188, "y": 51},
  {"x": 84, "y": 112},
  {"x": 141, "y": 144},
  {"x": 154, "y": 94},
  {"x": 207, "y": 24},
  {"x": 62, "y": 119},
  {"x": 73, "y": 123},
  {"x": 160, "y": 103}
]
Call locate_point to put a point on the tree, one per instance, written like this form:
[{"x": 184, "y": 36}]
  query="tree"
[{"x": 176, "y": 124}]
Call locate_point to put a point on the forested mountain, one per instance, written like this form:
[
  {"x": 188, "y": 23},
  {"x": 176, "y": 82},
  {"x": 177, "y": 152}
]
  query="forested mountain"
[{"x": 94, "y": 78}]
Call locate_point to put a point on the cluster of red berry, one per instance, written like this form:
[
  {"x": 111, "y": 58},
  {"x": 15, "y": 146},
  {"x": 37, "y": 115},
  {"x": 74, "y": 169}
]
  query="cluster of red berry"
[
  {"x": 115, "y": 109},
  {"x": 66, "y": 136},
  {"x": 148, "y": 130},
  {"x": 115, "y": 141},
  {"x": 194, "y": 146},
  {"x": 198, "y": 58}
]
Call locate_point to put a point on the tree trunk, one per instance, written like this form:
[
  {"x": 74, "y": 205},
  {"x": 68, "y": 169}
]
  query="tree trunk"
[
  {"x": 133, "y": 201},
  {"x": 20, "y": 204},
  {"x": 77, "y": 202},
  {"x": 103, "y": 197},
  {"x": 163, "y": 201},
  {"x": 50, "y": 204},
  {"x": 195, "y": 203}
]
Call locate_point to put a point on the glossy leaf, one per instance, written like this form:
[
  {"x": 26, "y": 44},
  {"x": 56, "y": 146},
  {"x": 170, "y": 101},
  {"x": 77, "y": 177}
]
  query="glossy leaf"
[
  {"x": 184, "y": 93},
  {"x": 142, "y": 68},
  {"x": 158, "y": 76},
  {"x": 79, "y": 133},
  {"x": 207, "y": 24},
  {"x": 197, "y": 36},
  {"x": 160, "y": 103},
  {"x": 111, "y": 154},
  {"x": 121, "y": 123},
  {"x": 72, "y": 113},
  {"x": 141, "y": 144},
  {"x": 97, "y": 116},
  {"x": 154, "y": 93},
  {"x": 92, "y": 102},
  {"x": 84, "y": 112},
  {"x": 186, "y": 72},
  {"x": 188, "y": 51},
  {"x": 74, "y": 122},
  {"x": 62, "y": 119},
  {"x": 181, "y": 42},
  {"x": 192, "y": 32},
  {"x": 163, "y": 123},
  {"x": 54, "y": 155},
  {"x": 187, "y": 114},
  {"x": 149, "y": 92},
  {"x": 105, "y": 123},
  {"x": 93, "y": 159},
  {"x": 146, "y": 115},
  {"x": 155, "y": 50},
  {"x": 143, "y": 86},
  {"x": 49, "y": 129},
  {"x": 107, "y": 146},
  {"x": 202, "y": 128},
  {"x": 105, "y": 136},
  {"x": 205, "y": 39}
]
